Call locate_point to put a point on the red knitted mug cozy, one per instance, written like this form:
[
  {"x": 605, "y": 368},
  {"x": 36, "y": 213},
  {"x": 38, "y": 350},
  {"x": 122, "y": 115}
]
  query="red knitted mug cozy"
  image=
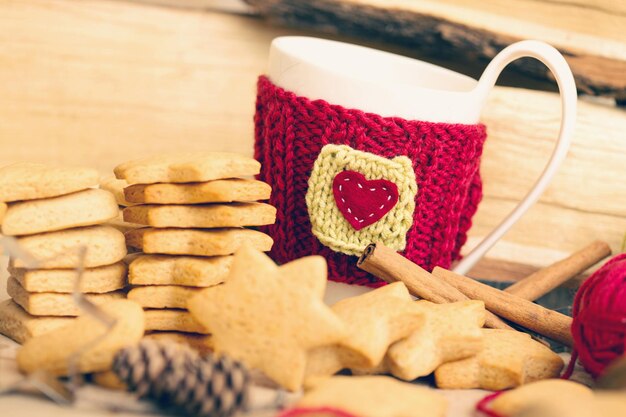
[{"x": 300, "y": 141}]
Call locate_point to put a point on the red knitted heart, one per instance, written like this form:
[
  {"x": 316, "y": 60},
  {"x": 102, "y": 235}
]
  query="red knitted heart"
[{"x": 361, "y": 201}]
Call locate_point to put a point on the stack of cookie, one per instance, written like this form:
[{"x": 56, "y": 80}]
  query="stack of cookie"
[
  {"x": 196, "y": 211},
  {"x": 54, "y": 214}
]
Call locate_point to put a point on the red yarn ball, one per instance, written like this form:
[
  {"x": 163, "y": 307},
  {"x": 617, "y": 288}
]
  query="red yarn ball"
[{"x": 599, "y": 317}]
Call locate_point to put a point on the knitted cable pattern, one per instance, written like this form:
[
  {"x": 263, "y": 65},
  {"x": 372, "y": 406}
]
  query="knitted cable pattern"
[
  {"x": 330, "y": 226},
  {"x": 290, "y": 132}
]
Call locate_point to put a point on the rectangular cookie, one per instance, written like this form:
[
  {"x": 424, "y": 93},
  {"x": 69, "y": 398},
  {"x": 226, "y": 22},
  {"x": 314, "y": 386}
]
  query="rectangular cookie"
[
  {"x": 203, "y": 343},
  {"x": 179, "y": 270},
  {"x": 105, "y": 246},
  {"x": 218, "y": 191},
  {"x": 27, "y": 181},
  {"x": 201, "y": 216},
  {"x": 172, "y": 320},
  {"x": 52, "y": 304},
  {"x": 82, "y": 208},
  {"x": 96, "y": 342},
  {"x": 162, "y": 296},
  {"x": 187, "y": 167},
  {"x": 17, "y": 324},
  {"x": 94, "y": 280},
  {"x": 202, "y": 242}
]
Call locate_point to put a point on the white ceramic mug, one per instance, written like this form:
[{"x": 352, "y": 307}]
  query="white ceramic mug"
[{"x": 392, "y": 85}]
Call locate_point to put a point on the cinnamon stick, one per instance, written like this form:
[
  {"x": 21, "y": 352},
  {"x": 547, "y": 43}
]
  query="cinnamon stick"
[
  {"x": 532, "y": 316},
  {"x": 545, "y": 280},
  {"x": 388, "y": 265}
]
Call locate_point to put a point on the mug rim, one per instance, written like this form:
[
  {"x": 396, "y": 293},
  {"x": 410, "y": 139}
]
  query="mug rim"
[{"x": 316, "y": 52}]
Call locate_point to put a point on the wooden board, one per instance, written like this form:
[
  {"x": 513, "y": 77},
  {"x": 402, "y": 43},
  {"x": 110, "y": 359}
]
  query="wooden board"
[
  {"x": 591, "y": 36},
  {"x": 99, "y": 82}
]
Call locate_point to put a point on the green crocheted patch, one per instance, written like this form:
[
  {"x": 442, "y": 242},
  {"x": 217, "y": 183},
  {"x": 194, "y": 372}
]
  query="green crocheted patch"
[{"x": 329, "y": 225}]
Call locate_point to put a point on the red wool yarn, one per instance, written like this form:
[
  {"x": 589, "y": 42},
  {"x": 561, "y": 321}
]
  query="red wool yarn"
[
  {"x": 598, "y": 325},
  {"x": 484, "y": 405},
  {"x": 290, "y": 131},
  {"x": 599, "y": 318}
]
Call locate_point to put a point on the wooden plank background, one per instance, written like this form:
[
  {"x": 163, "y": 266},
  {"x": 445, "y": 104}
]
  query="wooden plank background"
[
  {"x": 590, "y": 35},
  {"x": 99, "y": 82}
]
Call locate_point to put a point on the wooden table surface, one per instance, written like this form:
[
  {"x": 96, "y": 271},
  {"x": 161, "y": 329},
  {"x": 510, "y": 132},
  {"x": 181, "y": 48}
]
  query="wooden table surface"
[{"x": 98, "y": 82}]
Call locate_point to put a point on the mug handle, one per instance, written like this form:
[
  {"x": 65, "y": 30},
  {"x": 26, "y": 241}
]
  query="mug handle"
[{"x": 555, "y": 62}]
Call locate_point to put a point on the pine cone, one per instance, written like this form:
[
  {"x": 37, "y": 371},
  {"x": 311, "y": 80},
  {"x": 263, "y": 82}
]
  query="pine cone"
[
  {"x": 176, "y": 376},
  {"x": 140, "y": 366}
]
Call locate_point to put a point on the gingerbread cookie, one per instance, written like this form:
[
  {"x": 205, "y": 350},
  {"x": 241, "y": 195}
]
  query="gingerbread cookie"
[
  {"x": 269, "y": 316},
  {"x": 449, "y": 332},
  {"x": 508, "y": 359},
  {"x": 201, "y": 216},
  {"x": 201, "y": 242},
  {"x": 179, "y": 270},
  {"x": 374, "y": 321},
  {"x": 218, "y": 191},
  {"x": 94, "y": 280},
  {"x": 203, "y": 343},
  {"x": 187, "y": 167},
  {"x": 54, "y": 250},
  {"x": 172, "y": 320},
  {"x": 557, "y": 398},
  {"x": 83, "y": 208},
  {"x": 27, "y": 181},
  {"x": 53, "y": 304},
  {"x": 162, "y": 296},
  {"x": 20, "y": 326},
  {"x": 375, "y": 396},
  {"x": 512, "y": 402},
  {"x": 52, "y": 351},
  {"x": 603, "y": 403}
]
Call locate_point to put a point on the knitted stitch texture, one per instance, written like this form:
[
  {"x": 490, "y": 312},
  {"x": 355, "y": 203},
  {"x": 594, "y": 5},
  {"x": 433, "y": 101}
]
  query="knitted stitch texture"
[
  {"x": 290, "y": 132},
  {"x": 329, "y": 224}
]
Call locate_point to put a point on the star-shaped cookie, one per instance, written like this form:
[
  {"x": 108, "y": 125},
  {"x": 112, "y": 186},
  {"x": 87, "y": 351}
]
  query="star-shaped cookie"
[
  {"x": 511, "y": 402},
  {"x": 375, "y": 396},
  {"x": 269, "y": 316},
  {"x": 374, "y": 321},
  {"x": 450, "y": 332},
  {"x": 508, "y": 359}
]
